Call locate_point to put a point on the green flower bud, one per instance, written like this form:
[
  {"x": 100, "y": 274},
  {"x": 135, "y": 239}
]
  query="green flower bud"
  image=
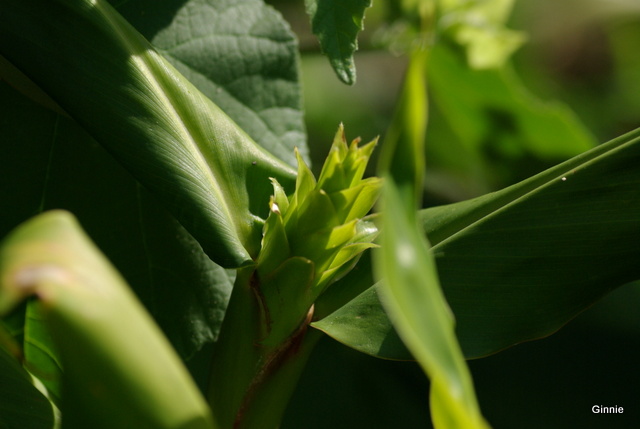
[{"x": 314, "y": 236}]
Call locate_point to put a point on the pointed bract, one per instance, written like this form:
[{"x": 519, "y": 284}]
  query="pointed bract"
[{"x": 318, "y": 229}]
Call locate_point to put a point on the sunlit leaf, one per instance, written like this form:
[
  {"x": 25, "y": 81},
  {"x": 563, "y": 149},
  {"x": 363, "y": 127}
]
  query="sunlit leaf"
[
  {"x": 406, "y": 271},
  {"x": 60, "y": 166},
  {"x": 119, "y": 370},
  {"x": 173, "y": 139}
]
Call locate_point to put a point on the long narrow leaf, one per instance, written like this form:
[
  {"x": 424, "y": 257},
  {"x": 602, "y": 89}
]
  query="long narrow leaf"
[
  {"x": 174, "y": 140},
  {"x": 417, "y": 307},
  {"x": 119, "y": 371},
  {"x": 518, "y": 264},
  {"x": 412, "y": 296}
]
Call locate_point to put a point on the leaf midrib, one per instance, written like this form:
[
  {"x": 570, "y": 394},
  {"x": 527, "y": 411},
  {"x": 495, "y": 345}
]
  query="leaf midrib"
[
  {"x": 142, "y": 63},
  {"x": 546, "y": 179}
]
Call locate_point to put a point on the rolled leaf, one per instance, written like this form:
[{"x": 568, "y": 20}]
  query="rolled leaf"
[{"x": 119, "y": 370}]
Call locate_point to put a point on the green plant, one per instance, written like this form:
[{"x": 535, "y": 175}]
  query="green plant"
[{"x": 215, "y": 218}]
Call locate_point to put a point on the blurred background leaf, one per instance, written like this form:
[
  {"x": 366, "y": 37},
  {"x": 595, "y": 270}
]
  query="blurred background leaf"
[
  {"x": 489, "y": 130},
  {"x": 337, "y": 23},
  {"x": 479, "y": 27}
]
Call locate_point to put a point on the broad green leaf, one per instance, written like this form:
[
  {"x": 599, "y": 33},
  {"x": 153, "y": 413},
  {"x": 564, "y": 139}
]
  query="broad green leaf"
[
  {"x": 21, "y": 404},
  {"x": 364, "y": 328},
  {"x": 173, "y": 139},
  {"x": 240, "y": 54},
  {"x": 538, "y": 253},
  {"x": 518, "y": 264},
  {"x": 337, "y": 23},
  {"x": 59, "y": 166},
  {"x": 119, "y": 370}
]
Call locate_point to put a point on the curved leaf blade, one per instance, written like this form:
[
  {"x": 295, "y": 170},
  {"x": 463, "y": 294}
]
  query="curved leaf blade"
[
  {"x": 119, "y": 369},
  {"x": 337, "y": 23},
  {"x": 173, "y": 139},
  {"x": 549, "y": 248},
  {"x": 59, "y": 166},
  {"x": 518, "y": 264},
  {"x": 40, "y": 355},
  {"x": 21, "y": 404}
]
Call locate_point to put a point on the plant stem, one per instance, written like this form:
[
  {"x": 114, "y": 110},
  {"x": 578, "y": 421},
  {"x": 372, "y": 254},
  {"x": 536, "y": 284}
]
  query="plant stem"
[{"x": 251, "y": 383}]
